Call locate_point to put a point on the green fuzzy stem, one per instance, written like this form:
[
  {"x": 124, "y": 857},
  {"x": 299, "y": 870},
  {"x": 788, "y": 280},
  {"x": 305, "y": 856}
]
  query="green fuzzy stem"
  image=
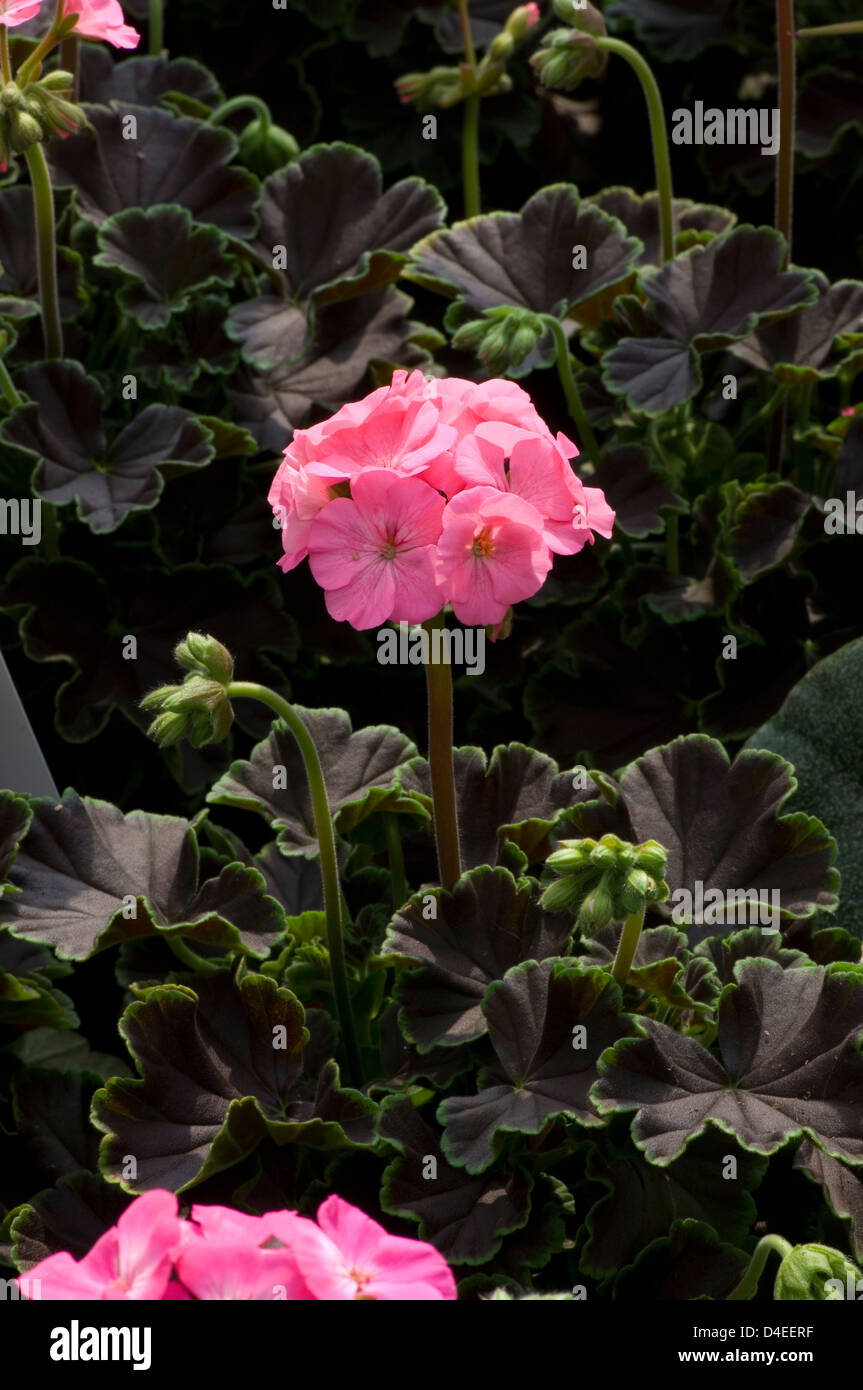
[
  {"x": 156, "y": 31},
  {"x": 396, "y": 856},
  {"x": 786, "y": 55},
  {"x": 191, "y": 958},
  {"x": 46, "y": 243},
  {"x": 627, "y": 945},
  {"x": 329, "y": 862},
  {"x": 470, "y": 157},
  {"x": 672, "y": 556},
  {"x": 440, "y": 707},
  {"x": 4, "y": 54},
  {"x": 7, "y": 386},
  {"x": 748, "y": 1286},
  {"x": 658, "y": 133},
  {"x": 570, "y": 390},
  {"x": 252, "y": 103}
]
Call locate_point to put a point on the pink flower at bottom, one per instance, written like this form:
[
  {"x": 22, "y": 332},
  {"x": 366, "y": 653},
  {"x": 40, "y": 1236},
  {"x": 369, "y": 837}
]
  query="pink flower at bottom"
[
  {"x": 491, "y": 554},
  {"x": 347, "y": 1255},
  {"x": 133, "y": 1260},
  {"x": 15, "y": 12},
  {"x": 102, "y": 19},
  {"x": 373, "y": 553}
]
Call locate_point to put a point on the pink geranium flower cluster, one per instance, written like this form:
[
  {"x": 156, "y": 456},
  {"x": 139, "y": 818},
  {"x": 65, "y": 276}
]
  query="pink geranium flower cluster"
[
  {"x": 152, "y": 1254},
  {"x": 429, "y": 492},
  {"x": 97, "y": 19}
]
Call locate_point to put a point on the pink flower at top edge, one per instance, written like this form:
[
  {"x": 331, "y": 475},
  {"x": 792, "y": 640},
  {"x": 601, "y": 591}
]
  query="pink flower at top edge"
[
  {"x": 131, "y": 1261},
  {"x": 491, "y": 554},
  {"x": 224, "y": 1257},
  {"x": 102, "y": 19},
  {"x": 373, "y": 553},
  {"x": 15, "y": 12},
  {"x": 401, "y": 434},
  {"x": 347, "y": 1255}
]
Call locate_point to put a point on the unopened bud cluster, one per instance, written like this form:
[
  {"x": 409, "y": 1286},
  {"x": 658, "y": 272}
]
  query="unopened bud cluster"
[
  {"x": 502, "y": 338},
  {"x": 602, "y": 881},
  {"x": 568, "y": 56},
  {"x": 32, "y": 114},
  {"x": 447, "y": 86},
  {"x": 198, "y": 710}
]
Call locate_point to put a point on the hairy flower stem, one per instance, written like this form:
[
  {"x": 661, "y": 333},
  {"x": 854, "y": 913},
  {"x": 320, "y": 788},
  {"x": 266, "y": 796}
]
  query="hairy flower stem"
[
  {"x": 191, "y": 958},
  {"x": 658, "y": 134},
  {"x": 29, "y": 69},
  {"x": 43, "y": 207},
  {"x": 156, "y": 30},
  {"x": 786, "y": 54},
  {"x": 627, "y": 945},
  {"x": 397, "y": 859},
  {"x": 748, "y": 1286},
  {"x": 470, "y": 125},
  {"x": 329, "y": 863},
  {"x": 241, "y": 103},
  {"x": 570, "y": 390},
  {"x": 4, "y": 53},
  {"x": 439, "y": 685}
]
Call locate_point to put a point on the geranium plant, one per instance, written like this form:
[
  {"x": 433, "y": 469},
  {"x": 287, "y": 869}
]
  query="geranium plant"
[{"x": 328, "y": 977}]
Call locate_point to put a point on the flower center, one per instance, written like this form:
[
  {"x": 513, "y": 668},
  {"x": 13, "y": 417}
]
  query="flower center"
[
  {"x": 483, "y": 544},
  {"x": 389, "y": 550},
  {"x": 360, "y": 1278}
]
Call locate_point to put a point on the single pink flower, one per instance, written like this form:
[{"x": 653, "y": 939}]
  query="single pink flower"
[
  {"x": 347, "y": 1255},
  {"x": 491, "y": 554},
  {"x": 225, "y": 1256},
  {"x": 373, "y": 553},
  {"x": 402, "y": 434},
  {"x": 15, "y": 12},
  {"x": 540, "y": 473},
  {"x": 131, "y": 1261},
  {"x": 102, "y": 19},
  {"x": 296, "y": 497}
]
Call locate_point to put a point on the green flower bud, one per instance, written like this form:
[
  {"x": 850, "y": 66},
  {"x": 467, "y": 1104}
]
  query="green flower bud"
[
  {"x": 267, "y": 147},
  {"x": 570, "y": 856},
  {"x": 804, "y": 1274},
  {"x": 11, "y": 97},
  {"x": 469, "y": 336},
  {"x": 24, "y": 131},
  {"x": 500, "y": 48},
  {"x": 635, "y": 889},
  {"x": 583, "y": 16},
  {"x": 598, "y": 910},
  {"x": 205, "y": 656},
  {"x": 571, "y": 55},
  {"x": 652, "y": 857},
  {"x": 521, "y": 21}
]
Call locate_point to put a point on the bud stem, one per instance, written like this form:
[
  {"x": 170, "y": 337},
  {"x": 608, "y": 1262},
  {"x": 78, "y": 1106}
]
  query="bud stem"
[
  {"x": 470, "y": 123},
  {"x": 659, "y": 136},
  {"x": 329, "y": 862},
  {"x": 254, "y": 103},
  {"x": 627, "y": 945},
  {"x": 29, "y": 69},
  {"x": 4, "y": 53},
  {"x": 786, "y": 53},
  {"x": 570, "y": 390},
  {"x": 43, "y": 208},
  {"x": 7, "y": 386},
  {"x": 156, "y": 29},
  {"x": 748, "y": 1285},
  {"x": 439, "y": 685}
]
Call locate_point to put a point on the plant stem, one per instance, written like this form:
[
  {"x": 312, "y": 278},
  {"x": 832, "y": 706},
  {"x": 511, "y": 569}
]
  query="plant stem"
[
  {"x": 4, "y": 54},
  {"x": 156, "y": 31},
  {"x": 50, "y": 530},
  {"x": 69, "y": 60},
  {"x": 804, "y": 404},
  {"x": 43, "y": 207},
  {"x": 748, "y": 1286},
  {"x": 254, "y": 103},
  {"x": 470, "y": 156},
  {"x": 7, "y": 386},
  {"x": 439, "y": 686},
  {"x": 190, "y": 957},
  {"x": 787, "y": 96},
  {"x": 329, "y": 861},
  {"x": 470, "y": 126},
  {"x": 851, "y": 26},
  {"x": 570, "y": 390},
  {"x": 627, "y": 945},
  {"x": 763, "y": 414},
  {"x": 28, "y": 69},
  {"x": 786, "y": 55},
  {"x": 401, "y": 892},
  {"x": 658, "y": 133}
]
